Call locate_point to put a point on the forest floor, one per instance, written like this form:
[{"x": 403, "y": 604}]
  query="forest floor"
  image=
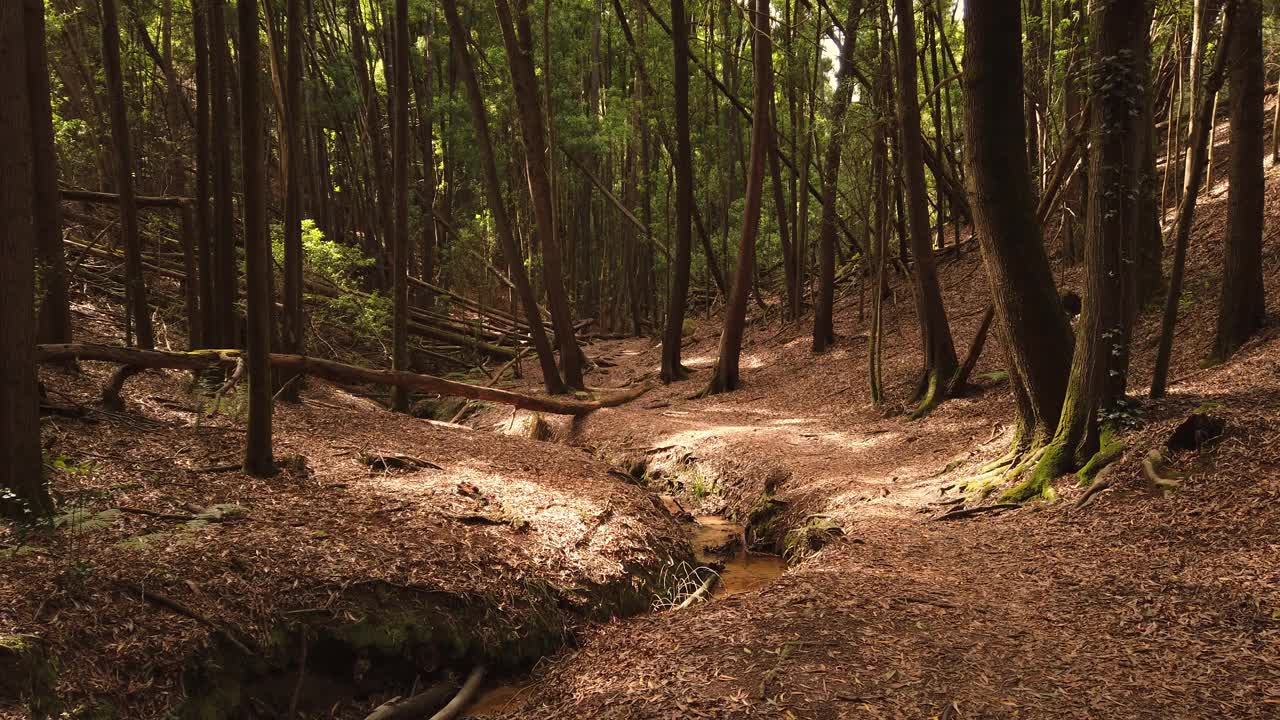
[
  {"x": 1140, "y": 603},
  {"x": 169, "y": 569}
]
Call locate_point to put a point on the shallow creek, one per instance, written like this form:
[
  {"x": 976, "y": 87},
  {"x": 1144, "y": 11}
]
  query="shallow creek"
[{"x": 717, "y": 543}]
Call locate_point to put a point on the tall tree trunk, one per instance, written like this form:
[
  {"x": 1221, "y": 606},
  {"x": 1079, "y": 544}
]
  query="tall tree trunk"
[
  {"x": 1113, "y": 190},
  {"x": 493, "y": 188},
  {"x": 939, "y": 351},
  {"x": 295, "y": 126},
  {"x": 23, "y": 494},
  {"x": 54, "y": 324},
  {"x": 673, "y": 335},
  {"x": 424, "y": 93},
  {"x": 1201, "y": 121},
  {"x": 257, "y": 250},
  {"x": 204, "y": 247},
  {"x": 1033, "y": 327},
  {"x": 1242, "y": 308},
  {"x": 726, "y": 372},
  {"x": 135, "y": 283},
  {"x": 400, "y": 178},
  {"x": 823, "y": 328},
  {"x": 518, "y": 39},
  {"x": 225, "y": 281}
]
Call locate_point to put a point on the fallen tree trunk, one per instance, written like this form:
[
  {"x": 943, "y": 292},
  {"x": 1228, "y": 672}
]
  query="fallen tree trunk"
[
  {"x": 90, "y": 196},
  {"x": 329, "y": 370}
]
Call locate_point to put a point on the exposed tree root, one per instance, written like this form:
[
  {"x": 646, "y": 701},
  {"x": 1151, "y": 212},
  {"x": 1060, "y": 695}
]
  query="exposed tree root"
[
  {"x": 1050, "y": 461},
  {"x": 413, "y": 708},
  {"x": 1107, "y": 454},
  {"x": 970, "y": 512},
  {"x": 933, "y": 394},
  {"x": 464, "y": 696},
  {"x": 1153, "y": 468}
]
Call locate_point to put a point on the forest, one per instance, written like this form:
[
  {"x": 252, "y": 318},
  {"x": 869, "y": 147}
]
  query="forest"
[{"x": 395, "y": 359}]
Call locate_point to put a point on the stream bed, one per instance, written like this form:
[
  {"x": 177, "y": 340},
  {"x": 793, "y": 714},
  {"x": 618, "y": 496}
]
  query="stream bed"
[{"x": 718, "y": 543}]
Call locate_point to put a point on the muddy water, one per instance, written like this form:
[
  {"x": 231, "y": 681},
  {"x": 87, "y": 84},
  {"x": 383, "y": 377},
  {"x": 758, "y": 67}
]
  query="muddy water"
[{"x": 716, "y": 542}]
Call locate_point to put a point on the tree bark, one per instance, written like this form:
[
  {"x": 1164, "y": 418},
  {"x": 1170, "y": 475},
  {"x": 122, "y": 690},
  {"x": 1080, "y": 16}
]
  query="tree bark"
[
  {"x": 223, "y": 331},
  {"x": 134, "y": 280},
  {"x": 22, "y": 489},
  {"x": 1101, "y": 340},
  {"x": 257, "y": 251},
  {"x": 493, "y": 188},
  {"x": 726, "y": 376},
  {"x": 940, "y": 361},
  {"x": 517, "y": 36},
  {"x": 1242, "y": 308},
  {"x": 1201, "y": 121},
  {"x": 1032, "y": 325},
  {"x": 295, "y": 125},
  {"x": 54, "y": 314},
  {"x": 823, "y": 327},
  {"x": 673, "y": 335},
  {"x": 400, "y": 178}
]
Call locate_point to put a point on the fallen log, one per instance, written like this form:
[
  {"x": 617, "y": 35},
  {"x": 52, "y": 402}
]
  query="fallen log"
[
  {"x": 416, "y": 707},
  {"x": 90, "y": 196},
  {"x": 329, "y": 370}
]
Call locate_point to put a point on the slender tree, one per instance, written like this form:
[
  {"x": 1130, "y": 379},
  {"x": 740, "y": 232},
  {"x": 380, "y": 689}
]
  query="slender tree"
[
  {"x": 823, "y": 328},
  {"x": 295, "y": 127},
  {"x": 673, "y": 336},
  {"x": 400, "y": 178},
  {"x": 939, "y": 351},
  {"x": 424, "y": 95},
  {"x": 1201, "y": 120},
  {"x": 134, "y": 281},
  {"x": 257, "y": 252},
  {"x": 225, "y": 281},
  {"x": 1242, "y": 308},
  {"x": 204, "y": 245},
  {"x": 22, "y": 488},
  {"x": 1030, "y": 320},
  {"x": 517, "y": 36},
  {"x": 735, "y": 314},
  {"x": 493, "y": 189}
]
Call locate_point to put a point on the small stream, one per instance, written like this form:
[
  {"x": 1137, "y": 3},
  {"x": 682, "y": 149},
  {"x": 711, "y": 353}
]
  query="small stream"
[{"x": 717, "y": 543}]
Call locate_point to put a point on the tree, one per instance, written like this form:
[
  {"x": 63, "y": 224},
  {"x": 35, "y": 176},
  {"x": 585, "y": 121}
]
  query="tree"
[
  {"x": 400, "y": 174},
  {"x": 135, "y": 284},
  {"x": 1032, "y": 325},
  {"x": 257, "y": 252},
  {"x": 22, "y": 489},
  {"x": 1242, "y": 308},
  {"x": 493, "y": 189},
  {"x": 518, "y": 39},
  {"x": 54, "y": 315},
  {"x": 423, "y": 93},
  {"x": 823, "y": 329},
  {"x": 673, "y": 336},
  {"x": 226, "y": 288},
  {"x": 1201, "y": 121},
  {"x": 203, "y": 162},
  {"x": 295, "y": 126},
  {"x": 1114, "y": 177},
  {"x": 735, "y": 314},
  {"x": 935, "y": 333}
]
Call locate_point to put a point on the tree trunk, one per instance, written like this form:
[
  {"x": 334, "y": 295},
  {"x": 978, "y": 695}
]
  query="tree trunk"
[
  {"x": 673, "y": 335},
  {"x": 135, "y": 283},
  {"x": 423, "y": 91},
  {"x": 54, "y": 324},
  {"x": 493, "y": 188},
  {"x": 518, "y": 39},
  {"x": 726, "y": 372},
  {"x": 940, "y": 361},
  {"x": 1032, "y": 325},
  {"x": 400, "y": 178},
  {"x": 295, "y": 126},
  {"x": 225, "y": 281},
  {"x": 1242, "y": 308},
  {"x": 1201, "y": 121},
  {"x": 1113, "y": 191},
  {"x": 823, "y": 327},
  {"x": 23, "y": 493},
  {"x": 257, "y": 250}
]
